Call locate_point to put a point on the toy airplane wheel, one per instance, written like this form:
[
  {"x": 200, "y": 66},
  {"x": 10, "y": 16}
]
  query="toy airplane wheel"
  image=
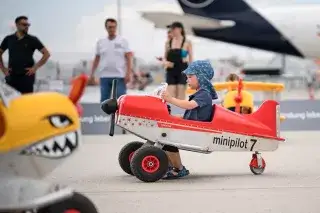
[
  {"x": 78, "y": 203},
  {"x": 126, "y": 154},
  {"x": 256, "y": 171},
  {"x": 255, "y": 168},
  {"x": 149, "y": 164}
]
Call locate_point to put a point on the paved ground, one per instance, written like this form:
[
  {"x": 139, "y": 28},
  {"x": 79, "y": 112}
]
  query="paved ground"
[{"x": 219, "y": 182}]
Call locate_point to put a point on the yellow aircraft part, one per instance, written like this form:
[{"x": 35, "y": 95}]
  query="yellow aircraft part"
[{"x": 247, "y": 85}]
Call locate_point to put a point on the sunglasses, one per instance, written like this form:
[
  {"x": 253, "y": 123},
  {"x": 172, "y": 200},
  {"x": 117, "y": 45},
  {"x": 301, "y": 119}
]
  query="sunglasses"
[{"x": 110, "y": 27}]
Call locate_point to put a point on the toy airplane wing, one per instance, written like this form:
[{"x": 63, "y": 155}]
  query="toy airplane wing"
[
  {"x": 162, "y": 19},
  {"x": 254, "y": 86},
  {"x": 7, "y": 93},
  {"x": 247, "y": 85}
]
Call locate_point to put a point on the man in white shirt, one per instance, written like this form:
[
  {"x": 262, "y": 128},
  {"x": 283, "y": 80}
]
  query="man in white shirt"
[{"x": 114, "y": 61}]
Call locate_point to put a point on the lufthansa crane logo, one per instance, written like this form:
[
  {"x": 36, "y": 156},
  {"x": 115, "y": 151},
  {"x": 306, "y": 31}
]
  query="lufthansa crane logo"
[{"x": 197, "y": 3}]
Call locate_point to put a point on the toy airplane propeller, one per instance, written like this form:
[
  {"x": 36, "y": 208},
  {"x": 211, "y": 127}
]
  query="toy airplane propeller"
[{"x": 110, "y": 106}]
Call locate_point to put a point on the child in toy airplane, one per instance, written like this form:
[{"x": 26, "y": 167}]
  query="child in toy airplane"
[
  {"x": 38, "y": 132},
  {"x": 239, "y": 98},
  {"x": 198, "y": 107},
  {"x": 231, "y": 98},
  {"x": 232, "y": 77}
]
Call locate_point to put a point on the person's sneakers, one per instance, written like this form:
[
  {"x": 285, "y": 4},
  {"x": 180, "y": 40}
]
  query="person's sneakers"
[{"x": 174, "y": 173}]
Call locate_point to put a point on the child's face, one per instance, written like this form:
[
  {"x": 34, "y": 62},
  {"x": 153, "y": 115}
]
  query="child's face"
[
  {"x": 245, "y": 110},
  {"x": 192, "y": 81}
]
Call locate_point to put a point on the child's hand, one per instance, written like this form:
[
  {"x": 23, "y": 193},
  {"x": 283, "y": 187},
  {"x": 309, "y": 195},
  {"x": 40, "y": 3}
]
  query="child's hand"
[{"x": 165, "y": 95}]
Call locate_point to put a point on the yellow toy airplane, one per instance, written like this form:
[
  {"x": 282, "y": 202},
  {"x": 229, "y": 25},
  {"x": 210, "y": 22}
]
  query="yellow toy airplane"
[
  {"x": 38, "y": 132},
  {"x": 238, "y": 94}
]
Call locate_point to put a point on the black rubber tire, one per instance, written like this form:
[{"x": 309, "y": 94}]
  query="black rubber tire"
[
  {"x": 77, "y": 202},
  {"x": 124, "y": 153},
  {"x": 257, "y": 171},
  {"x": 136, "y": 164}
]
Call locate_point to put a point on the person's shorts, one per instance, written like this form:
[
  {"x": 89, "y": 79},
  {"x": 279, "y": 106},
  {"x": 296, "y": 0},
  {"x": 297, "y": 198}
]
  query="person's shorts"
[
  {"x": 106, "y": 86},
  {"x": 175, "y": 78},
  {"x": 22, "y": 83}
]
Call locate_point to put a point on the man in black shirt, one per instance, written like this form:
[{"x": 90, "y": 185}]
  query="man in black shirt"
[{"x": 21, "y": 70}]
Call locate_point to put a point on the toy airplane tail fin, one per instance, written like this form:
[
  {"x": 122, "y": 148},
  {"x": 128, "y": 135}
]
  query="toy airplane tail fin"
[
  {"x": 78, "y": 87},
  {"x": 77, "y": 90},
  {"x": 269, "y": 114}
]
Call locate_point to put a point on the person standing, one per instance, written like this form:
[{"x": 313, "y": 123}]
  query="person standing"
[
  {"x": 114, "y": 59},
  {"x": 169, "y": 33},
  {"x": 169, "y": 37},
  {"x": 312, "y": 78},
  {"x": 58, "y": 68},
  {"x": 178, "y": 54},
  {"x": 21, "y": 71}
]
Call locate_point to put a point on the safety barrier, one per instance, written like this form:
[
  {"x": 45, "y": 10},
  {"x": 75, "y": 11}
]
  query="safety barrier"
[{"x": 301, "y": 115}]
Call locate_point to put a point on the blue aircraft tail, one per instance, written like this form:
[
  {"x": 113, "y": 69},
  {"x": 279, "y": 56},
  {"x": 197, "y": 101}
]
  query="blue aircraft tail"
[{"x": 251, "y": 29}]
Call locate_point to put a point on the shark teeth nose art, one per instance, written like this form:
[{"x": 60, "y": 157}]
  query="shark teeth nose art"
[{"x": 56, "y": 147}]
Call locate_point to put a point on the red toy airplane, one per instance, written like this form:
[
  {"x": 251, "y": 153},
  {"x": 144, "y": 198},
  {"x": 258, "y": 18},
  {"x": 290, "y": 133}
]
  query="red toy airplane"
[{"x": 147, "y": 117}]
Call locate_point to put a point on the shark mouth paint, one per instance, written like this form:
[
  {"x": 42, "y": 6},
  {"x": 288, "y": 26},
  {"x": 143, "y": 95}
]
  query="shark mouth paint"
[{"x": 56, "y": 147}]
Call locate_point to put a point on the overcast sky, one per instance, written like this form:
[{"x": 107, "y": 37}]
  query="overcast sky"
[{"x": 75, "y": 25}]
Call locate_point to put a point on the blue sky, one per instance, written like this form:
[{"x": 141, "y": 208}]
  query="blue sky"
[{"x": 71, "y": 27}]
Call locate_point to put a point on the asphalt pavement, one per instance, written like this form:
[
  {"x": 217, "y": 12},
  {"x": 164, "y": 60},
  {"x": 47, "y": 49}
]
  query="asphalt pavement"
[{"x": 219, "y": 182}]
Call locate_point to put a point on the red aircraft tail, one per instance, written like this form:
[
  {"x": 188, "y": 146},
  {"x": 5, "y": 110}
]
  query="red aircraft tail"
[
  {"x": 78, "y": 86},
  {"x": 268, "y": 115}
]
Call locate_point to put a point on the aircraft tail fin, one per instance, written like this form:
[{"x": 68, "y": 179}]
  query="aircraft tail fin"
[{"x": 269, "y": 114}]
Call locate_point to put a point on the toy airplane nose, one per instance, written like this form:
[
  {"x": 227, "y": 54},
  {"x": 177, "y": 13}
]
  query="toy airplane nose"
[{"x": 109, "y": 106}]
